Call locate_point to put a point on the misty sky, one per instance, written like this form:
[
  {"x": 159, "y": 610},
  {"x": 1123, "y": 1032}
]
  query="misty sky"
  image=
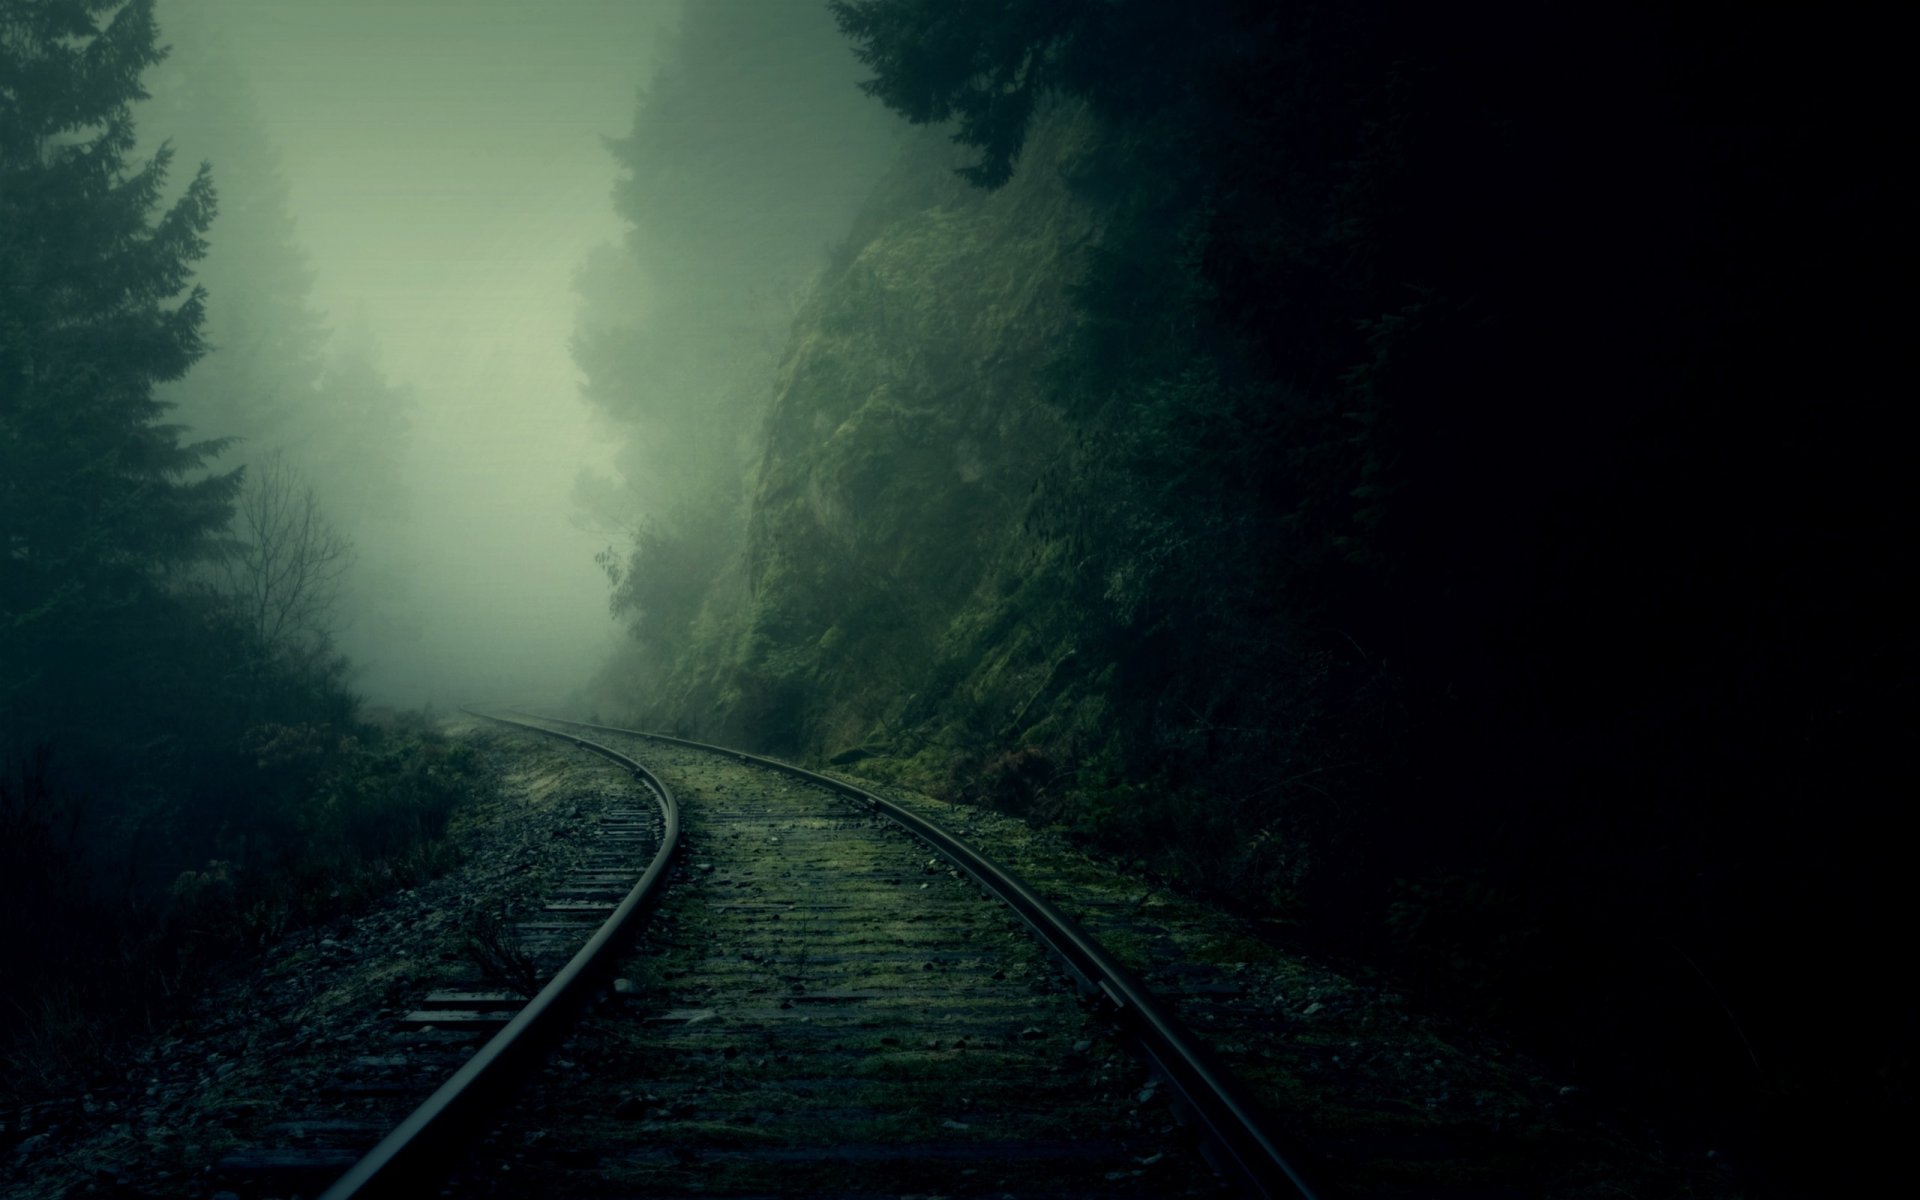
[{"x": 447, "y": 178}]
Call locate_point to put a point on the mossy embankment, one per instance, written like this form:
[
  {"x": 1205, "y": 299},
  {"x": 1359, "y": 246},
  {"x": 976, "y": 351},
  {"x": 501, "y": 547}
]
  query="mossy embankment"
[
  {"x": 922, "y": 590},
  {"x": 892, "y": 606}
]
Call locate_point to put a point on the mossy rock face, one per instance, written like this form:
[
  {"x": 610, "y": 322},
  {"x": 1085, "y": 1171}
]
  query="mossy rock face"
[{"x": 910, "y": 425}]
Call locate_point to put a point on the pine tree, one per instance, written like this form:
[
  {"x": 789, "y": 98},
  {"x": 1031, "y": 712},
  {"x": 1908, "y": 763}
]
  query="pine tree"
[
  {"x": 274, "y": 378},
  {"x": 266, "y": 342},
  {"x": 986, "y": 65},
  {"x": 99, "y": 496},
  {"x": 749, "y": 151}
]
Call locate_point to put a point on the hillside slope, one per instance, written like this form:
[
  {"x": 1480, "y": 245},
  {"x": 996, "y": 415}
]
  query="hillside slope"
[
  {"x": 891, "y": 600},
  {"x": 1444, "y": 506}
]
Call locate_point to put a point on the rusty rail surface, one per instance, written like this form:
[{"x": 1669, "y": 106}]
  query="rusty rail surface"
[
  {"x": 411, "y": 1159},
  {"x": 1232, "y": 1126}
]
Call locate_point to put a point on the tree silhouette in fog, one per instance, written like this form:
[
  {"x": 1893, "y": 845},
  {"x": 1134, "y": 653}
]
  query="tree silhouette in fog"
[
  {"x": 281, "y": 576},
  {"x": 99, "y": 495}
]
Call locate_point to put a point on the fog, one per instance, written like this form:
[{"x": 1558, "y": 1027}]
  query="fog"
[
  {"x": 1410, "y": 483},
  {"x": 445, "y": 174}
]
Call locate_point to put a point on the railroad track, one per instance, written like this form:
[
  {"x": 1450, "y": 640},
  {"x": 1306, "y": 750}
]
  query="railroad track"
[
  {"x": 835, "y": 997},
  {"x": 403, "y": 1099}
]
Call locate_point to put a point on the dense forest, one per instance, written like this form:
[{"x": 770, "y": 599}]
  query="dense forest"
[{"x": 1424, "y": 478}]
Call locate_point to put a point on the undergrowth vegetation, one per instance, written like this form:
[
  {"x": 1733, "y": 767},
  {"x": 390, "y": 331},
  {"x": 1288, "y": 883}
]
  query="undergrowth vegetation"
[{"x": 112, "y": 914}]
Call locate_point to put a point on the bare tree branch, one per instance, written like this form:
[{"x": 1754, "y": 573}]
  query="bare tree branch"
[{"x": 283, "y": 571}]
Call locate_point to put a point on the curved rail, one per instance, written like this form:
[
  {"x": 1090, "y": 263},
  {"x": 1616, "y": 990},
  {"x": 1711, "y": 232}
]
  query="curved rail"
[
  {"x": 420, "y": 1147},
  {"x": 1232, "y": 1124}
]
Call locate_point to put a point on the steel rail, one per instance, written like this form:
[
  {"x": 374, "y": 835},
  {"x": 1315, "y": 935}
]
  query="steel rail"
[
  {"x": 1232, "y": 1124},
  {"x": 422, "y": 1147}
]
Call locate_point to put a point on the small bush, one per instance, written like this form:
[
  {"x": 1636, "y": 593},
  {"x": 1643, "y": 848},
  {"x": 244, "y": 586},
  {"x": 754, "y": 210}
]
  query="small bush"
[
  {"x": 307, "y": 822},
  {"x": 495, "y": 951}
]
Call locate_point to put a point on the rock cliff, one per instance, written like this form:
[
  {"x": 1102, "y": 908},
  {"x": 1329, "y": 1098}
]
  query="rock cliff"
[{"x": 892, "y": 603}]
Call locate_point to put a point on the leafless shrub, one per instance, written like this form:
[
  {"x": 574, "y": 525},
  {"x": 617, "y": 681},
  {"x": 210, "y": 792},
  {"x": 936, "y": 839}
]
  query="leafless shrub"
[
  {"x": 282, "y": 573},
  {"x": 496, "y": 953}
]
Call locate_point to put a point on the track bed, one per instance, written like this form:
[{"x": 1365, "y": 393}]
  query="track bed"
[{"x": 823, "y": 1007}]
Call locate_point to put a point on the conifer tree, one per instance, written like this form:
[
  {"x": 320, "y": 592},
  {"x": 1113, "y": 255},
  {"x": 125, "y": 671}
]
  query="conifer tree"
[
  {"x": 983, "y": 64},
  {"x": 749, "y": 151},
  {"x": 266, "y": 342},
  {"x": 99, "y": 495},
  {"x": 275, "y": 377}
]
